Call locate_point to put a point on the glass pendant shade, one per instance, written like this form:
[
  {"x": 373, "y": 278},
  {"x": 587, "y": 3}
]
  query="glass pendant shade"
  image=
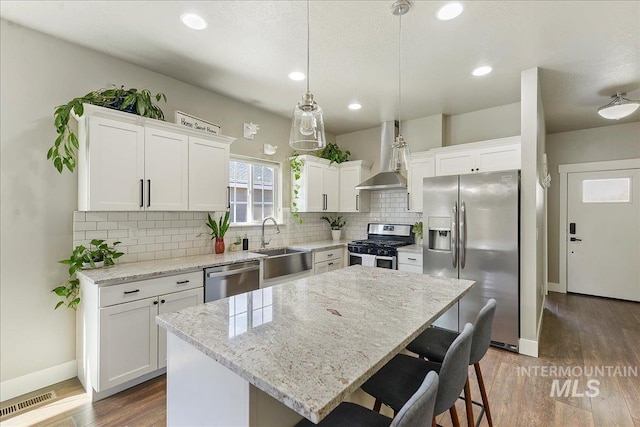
[
  {"x": 307, "y": 127},
  {"x": 400, "y": 156}
]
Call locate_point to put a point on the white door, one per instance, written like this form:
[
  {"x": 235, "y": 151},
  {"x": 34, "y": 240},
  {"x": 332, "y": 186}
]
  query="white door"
[
  {"x": 208, "y": 175},
  {"x": 166, "y": 169},
  {"x": 170, "y": 303},
  {"x": 603, "y": 240}
]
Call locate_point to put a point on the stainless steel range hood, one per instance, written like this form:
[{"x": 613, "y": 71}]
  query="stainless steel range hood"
[{"x": 386, "y": 179}]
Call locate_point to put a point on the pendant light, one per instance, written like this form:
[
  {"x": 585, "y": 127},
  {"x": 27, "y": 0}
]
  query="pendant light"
[
  {"x": 307, "y": 127},
  {"x": 401, "y": 157},
  {"x": 618, "y": 108}
]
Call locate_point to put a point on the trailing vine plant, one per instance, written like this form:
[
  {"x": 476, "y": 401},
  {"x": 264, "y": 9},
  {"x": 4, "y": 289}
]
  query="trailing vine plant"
[{"x": 296, "y": 164}]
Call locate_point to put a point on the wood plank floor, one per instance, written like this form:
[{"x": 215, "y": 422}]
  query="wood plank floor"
[{"x": 578, "y": 331}]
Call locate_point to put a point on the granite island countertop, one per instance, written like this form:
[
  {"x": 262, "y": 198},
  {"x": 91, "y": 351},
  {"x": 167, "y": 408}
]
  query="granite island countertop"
[{"x": 317, "y": 339}]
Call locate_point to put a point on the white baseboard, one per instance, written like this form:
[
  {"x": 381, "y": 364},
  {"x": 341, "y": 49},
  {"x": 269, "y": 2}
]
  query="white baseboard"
[
  {"x": 528, "y": 347},
  {"x": 556, "y": 287},
  {"x": 36, "y": 380}
]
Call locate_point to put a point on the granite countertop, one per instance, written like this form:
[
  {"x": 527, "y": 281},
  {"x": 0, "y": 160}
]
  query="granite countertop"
[
  {"x": 317, "y": 339},
  {"x": 321, "y": 245},
  {"x": 414, "y": 249},
  {"x": 127, "y": 272}
]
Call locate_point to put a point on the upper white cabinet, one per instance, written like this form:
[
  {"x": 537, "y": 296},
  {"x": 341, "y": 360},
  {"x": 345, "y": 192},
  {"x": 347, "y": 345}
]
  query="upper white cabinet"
[
  {"x": 484, "y": 156},
  {"x": 422, "y": 166},
  {"x": 352, "y": 174},
  {"x": 127, "y": 162},
  {"x": 318, "y": 186},
  {"x": 208, "y": 175}
]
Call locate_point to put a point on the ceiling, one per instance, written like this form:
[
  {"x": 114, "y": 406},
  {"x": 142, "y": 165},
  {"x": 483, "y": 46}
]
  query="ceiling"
[{"x": 586, "y": 51}]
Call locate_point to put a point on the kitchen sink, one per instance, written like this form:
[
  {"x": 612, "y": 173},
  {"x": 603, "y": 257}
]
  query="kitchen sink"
[{"x": 285, "y": 261}]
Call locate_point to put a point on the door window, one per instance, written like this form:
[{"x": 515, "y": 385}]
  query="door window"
[{"x": 615, "y": 190}]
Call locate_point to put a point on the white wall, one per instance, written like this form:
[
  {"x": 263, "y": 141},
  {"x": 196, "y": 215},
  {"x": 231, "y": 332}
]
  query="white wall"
[
  {"x": 613, "y": 142},
  {"x": 532, "y": 216},
  {"x": 490, "y": 123},
  {"x": 38, "y": 73}
]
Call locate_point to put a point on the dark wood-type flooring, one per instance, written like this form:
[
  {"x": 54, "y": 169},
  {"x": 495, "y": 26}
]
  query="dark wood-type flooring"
[{"x": 578, "y": 331}]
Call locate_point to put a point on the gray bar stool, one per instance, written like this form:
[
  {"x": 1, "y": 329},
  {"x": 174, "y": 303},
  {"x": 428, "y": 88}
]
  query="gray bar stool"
[
  {"x": 396, "y": 381},
  {"x": 433, "y": 343},
  {"x": 417, "y": 412}
]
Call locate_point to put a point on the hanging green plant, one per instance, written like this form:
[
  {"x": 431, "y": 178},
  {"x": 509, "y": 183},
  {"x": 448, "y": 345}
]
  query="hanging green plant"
[
  {"x": 64, "y": 151},
  {"x": 334, "y": 154},
  {"x": 296, "y": 164}
]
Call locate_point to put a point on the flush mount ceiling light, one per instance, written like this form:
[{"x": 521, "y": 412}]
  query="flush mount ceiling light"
[
  {"x": 307, "y": 127},
  {"x": 401, "y": 157},
  {"x": 296, "y": 75},
  {"x": 355, "y": 106},
  {"x": 449, "y": 11},
  {"x": 482, "y": 71},
  {"x": 193, "y": 21},
  {"x": 619, "y": 107}
]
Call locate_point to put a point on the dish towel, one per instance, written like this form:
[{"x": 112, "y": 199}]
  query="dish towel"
[{"x": 369, "y": 260}]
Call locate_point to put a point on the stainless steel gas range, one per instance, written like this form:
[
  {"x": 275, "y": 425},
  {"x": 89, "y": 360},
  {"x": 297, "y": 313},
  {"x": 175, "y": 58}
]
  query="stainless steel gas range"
[{"x": 380, "y": 248}]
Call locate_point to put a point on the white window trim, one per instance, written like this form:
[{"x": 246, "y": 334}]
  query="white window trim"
[{"x": 277, "y": 185}]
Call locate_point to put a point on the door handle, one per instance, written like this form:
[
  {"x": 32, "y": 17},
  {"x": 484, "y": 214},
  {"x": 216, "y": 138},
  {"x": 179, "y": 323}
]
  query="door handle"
[
  {"x": 463, "y": 234},
  {"x": 454, "y": 234},
  {"x": 575, "y": 239}
]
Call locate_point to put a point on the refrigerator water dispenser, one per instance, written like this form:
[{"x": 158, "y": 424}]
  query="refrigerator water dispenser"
[{"x": 439, "y": 233}]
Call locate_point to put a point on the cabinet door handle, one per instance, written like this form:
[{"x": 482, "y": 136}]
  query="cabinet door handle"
[
  {"x": 182, "y": 282},
  {"x": 131, "y": 292},
  {"x": 148, "y": 193},
  {"x": 329, "y": 254},
  {"x": 142, "y": 193},
  {"x": 412, "y": 259},
  {"x": 228, "y": 197},
  {"x": 162, "y": 301},
  {"x": 155, "y": 302},
  {"x": 408, "y": 207},
  {"x": 357, "y": 200},
  {"x": 330, "y": 263}
]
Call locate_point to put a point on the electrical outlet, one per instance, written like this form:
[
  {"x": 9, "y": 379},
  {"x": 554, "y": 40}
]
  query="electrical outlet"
[{"x": 133, "y": 233}]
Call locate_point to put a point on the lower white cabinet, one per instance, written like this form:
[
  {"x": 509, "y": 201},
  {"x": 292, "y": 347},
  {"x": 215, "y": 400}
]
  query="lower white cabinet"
[
  {"x": 118, "y": 341},
  {"x": 328, "y": 260},
  {"x": 410, "y": 262}
]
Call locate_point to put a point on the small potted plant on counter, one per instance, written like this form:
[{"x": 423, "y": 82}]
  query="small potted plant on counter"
[
  {"x": 417, "y": 230},
  {"x": 97, "y": 255},
  {"x": 218, "y": 230},
  {"x": 336, "y": 224}
]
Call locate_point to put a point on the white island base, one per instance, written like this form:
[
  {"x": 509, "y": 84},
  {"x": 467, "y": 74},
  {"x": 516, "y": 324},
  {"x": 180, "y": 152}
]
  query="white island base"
[{"x": 202, "y": 392}]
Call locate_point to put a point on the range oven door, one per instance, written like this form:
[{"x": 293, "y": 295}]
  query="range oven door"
[{"x": 381, "y": 261}]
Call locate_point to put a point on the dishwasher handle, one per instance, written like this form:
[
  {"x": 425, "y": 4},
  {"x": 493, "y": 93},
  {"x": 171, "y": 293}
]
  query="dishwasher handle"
[{"x": 230, "y": 272}]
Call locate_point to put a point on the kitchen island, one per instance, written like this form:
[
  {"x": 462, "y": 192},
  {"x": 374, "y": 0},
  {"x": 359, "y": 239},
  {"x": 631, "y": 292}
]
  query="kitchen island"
[{"x": 273, "y": 355}]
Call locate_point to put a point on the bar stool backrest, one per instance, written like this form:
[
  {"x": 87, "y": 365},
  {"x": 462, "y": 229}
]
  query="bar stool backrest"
[
  {"x": 418, "y": 411},
  {"x": 482, "y": 332},
  {"x": 453, "y": 373}
]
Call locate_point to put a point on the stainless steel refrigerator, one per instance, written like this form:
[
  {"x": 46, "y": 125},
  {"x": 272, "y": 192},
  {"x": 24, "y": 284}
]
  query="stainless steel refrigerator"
[{"x": 472, "y": 228}]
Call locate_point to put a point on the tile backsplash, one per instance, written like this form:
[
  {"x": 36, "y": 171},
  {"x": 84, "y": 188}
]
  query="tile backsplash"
[{"x": 159, "y": 235}]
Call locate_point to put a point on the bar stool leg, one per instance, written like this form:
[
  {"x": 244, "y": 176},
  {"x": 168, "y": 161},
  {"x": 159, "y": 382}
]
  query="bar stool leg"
[
  {"x": 454, "y": 416},
  {"x": 483, "y": 392},
  {"x": 467, "y": 403},
  {"x": 377, "y": 405},
  {"x": 433, "y": 422}
]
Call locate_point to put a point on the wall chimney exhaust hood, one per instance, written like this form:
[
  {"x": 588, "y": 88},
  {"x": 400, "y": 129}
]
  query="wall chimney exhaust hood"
[{"x": 386, "y": 179}]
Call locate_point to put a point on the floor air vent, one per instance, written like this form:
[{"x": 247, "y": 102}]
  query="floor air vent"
[{"x": 25, "y": 404}]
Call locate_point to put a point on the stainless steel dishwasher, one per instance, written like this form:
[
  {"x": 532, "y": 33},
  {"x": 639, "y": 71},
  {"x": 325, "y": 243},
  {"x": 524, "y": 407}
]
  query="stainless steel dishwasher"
[{"x": 233, "y": 279}]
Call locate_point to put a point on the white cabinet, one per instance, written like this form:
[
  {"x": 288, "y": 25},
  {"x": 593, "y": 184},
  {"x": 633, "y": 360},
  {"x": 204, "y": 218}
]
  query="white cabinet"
[
  {"x": 485, "y": 156},
  {"x": 328, "y": 260},
  {"x": 410, "y": 262},
  {"x": 127, "y": 163},
  {"x": 422, "y": 166},
  {"x": 118, "y": 341},
  {"x": 318, "y": 186},
  {"x": 352, "y": 174},
  {"x": 208, "y": 175}
]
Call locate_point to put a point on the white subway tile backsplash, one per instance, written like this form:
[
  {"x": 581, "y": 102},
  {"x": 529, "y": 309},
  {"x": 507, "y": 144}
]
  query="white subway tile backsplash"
[
  {"x": 170, "y": 246},
  {"x": 96, "y": 216},
  {"x": 96, "y": 234},
  {"x": 84, "y": 225},
  {"x": 79, "y": 217},
  {"x": 171, "y": 216},
  {"x": 146, "y": 224},
  {"x": 117, "y": 216},
  {"x": 137, "y": 216},
  {"x": 107, "y": 225},
  {"x": 155, "y": 216}
]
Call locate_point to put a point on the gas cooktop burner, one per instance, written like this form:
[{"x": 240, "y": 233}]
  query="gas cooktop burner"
[{"x": 381, "y": 243}]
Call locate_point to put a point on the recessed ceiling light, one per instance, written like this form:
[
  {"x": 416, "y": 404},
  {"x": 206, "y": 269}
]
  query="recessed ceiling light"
[
  {"x": 449, "y": 11},
  {"x": 482, "y": 71},
  {"x": 354, "y": 106},
  {"x": 193, "y": 21},
  {"x": 296, "y": 75}
]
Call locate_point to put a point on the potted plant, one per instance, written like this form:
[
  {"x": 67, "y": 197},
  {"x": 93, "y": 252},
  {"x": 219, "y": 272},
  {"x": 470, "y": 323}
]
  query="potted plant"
[
  {"x": 334, "y": 154},
  {"x": 417, "y": 230},
  {"x": 65, "y": 148},
  {"x": 218, "y": 230},
  {"x": 98, "y": 254},
  {"x": 336, "y": 224}
]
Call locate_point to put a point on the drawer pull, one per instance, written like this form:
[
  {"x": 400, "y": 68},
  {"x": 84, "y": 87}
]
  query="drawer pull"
[
  {"x": 330, "y": 263},
  {"x": 329, "y": 254},
  {"x": 131, "y": 292},
  {"x": 162, "y": 301},
  {"x": 411, "y": 259},
  {"x": 182, "y": 282}
]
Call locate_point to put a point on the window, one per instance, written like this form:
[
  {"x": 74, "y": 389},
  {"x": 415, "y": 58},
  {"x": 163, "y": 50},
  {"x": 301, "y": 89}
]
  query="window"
[
  {"x": 254, "y": 190},
  {"x": 615, "y": 190}
]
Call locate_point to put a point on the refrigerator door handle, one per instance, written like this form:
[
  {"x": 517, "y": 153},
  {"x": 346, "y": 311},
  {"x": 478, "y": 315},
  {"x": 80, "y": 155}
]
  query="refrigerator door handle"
[
  {"x": 463, "y": 234},
  {"x": 454, "y": 234}
]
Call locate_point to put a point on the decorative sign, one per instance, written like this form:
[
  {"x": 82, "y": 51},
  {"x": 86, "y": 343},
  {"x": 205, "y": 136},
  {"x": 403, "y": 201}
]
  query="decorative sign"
[{"x": 195, "y": 123}]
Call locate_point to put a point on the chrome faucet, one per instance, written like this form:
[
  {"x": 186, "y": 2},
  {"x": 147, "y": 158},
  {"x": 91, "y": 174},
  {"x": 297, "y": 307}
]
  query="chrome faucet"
[{"x": 265, "y": 243}]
